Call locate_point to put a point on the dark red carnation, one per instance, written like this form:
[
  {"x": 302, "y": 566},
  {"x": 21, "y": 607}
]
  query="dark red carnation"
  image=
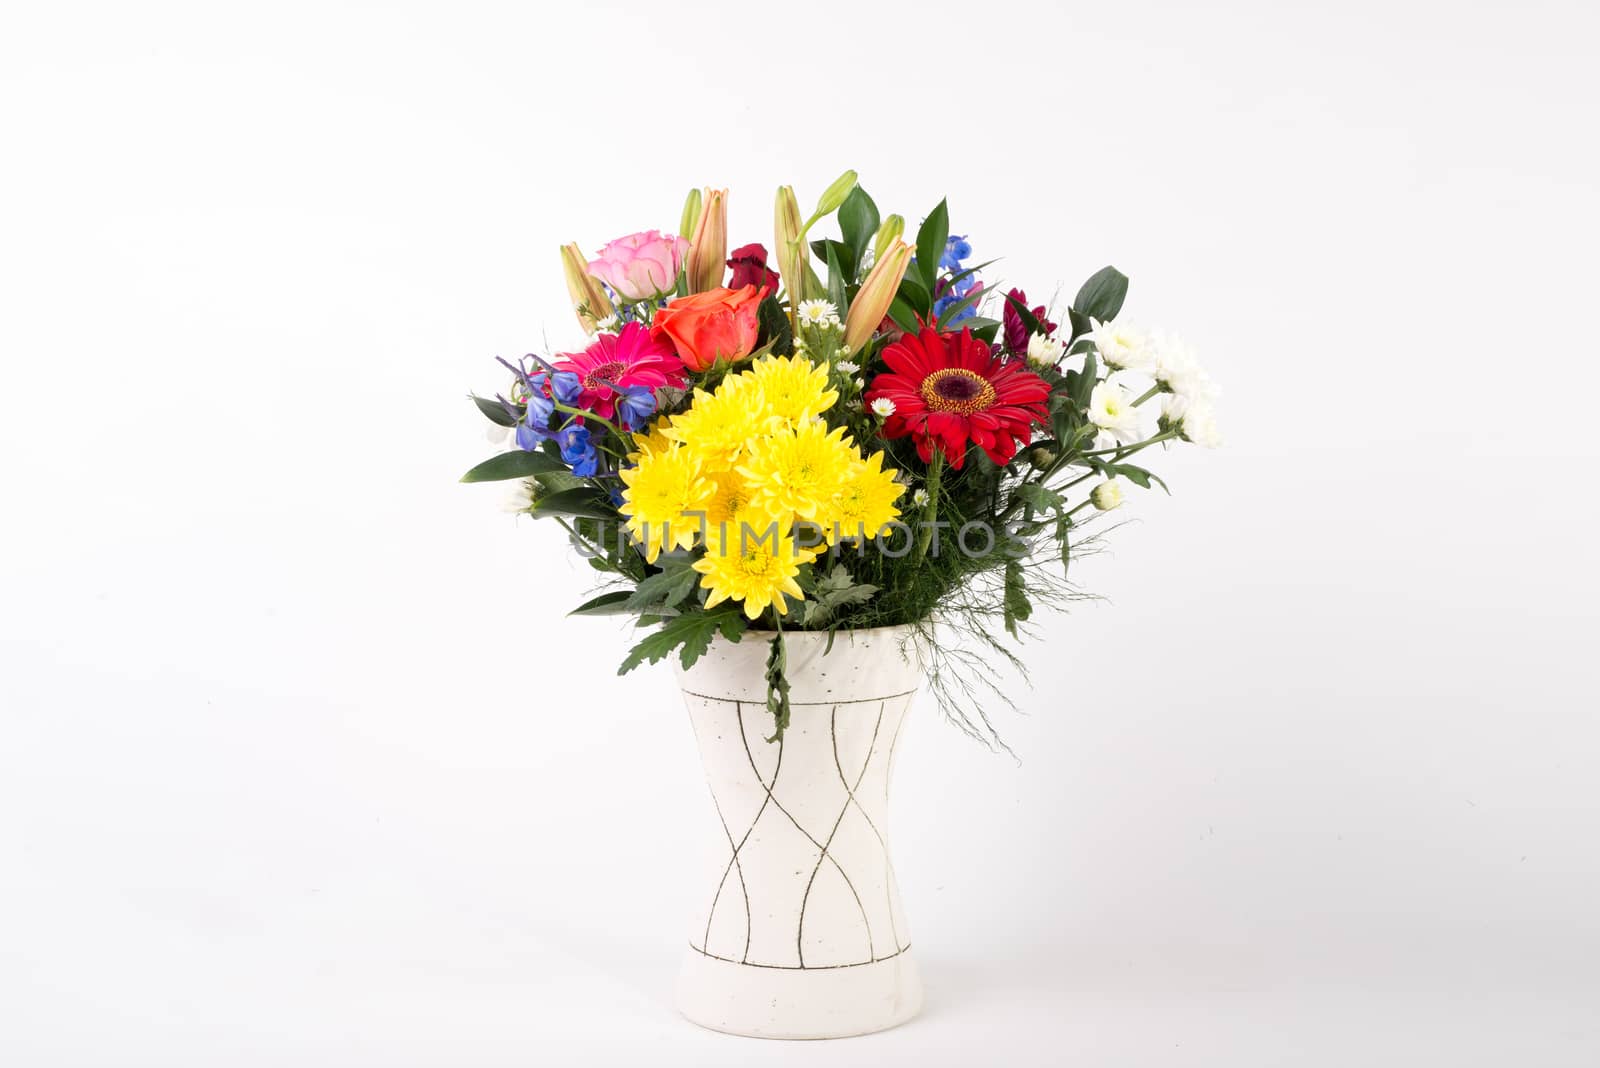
[
  {"x": 949, "y": 389},
  {"x": 749, "y": 263},
  {"x": 1016, "y": 331}
]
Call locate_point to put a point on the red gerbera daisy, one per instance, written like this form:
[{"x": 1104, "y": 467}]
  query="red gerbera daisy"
[
  {"x": 631, "y": 358},
  {"x": 948, "y": 389}
]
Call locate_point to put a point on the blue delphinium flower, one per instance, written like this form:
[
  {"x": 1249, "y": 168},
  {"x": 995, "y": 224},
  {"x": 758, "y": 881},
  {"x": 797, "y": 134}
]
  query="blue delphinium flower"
[
  {"x": 956, "y": 249},
  {"x": 635, "y": 406},
  {"x": 566, "y": 387},
  {"x": 577, "y": 450}
]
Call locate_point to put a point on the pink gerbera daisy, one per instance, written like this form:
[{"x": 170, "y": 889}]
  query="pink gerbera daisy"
[{"x": 619, "y": 361}]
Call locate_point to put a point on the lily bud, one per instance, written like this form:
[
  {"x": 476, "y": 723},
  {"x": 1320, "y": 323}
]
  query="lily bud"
[
  {"x": 891, "y": 230},
  {"x": 708, "y": 252},
  {"x": 589, "y": 298},
  {"x": 877, "y": 293},
  {"x": 789, "y": 246},
  {"x": 834, "y": 195},
  {"x": 691, "y": 214}
]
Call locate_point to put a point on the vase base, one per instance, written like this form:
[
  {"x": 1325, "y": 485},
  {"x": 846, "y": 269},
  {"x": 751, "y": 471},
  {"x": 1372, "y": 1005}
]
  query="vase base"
[{"x": 796, "y": 1003}]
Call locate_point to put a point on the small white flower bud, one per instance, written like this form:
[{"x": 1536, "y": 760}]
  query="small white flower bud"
[
  {"x": 1106, "y": 496},
  {"x": 1044, "y": 351}
]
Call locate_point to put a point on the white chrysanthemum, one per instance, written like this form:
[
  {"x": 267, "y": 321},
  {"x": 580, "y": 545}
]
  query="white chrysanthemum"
[
  {"x": 1173, "y": 409},
  {"x": 608, "y": 325},
  {"x": 883, "y": 407},
  {"x": 920, "y": 498},
  {"x": 1122, "y": 346},
  {"x": 1111, "y": 408},
  {"x": 1200, "y": 425},
  {"x": 1107, "y": 495},
  {"x": 818, "y": 313},
  {"x": 1177, "y": 369},
  {"x": 519, "y": 498},
  {"x": 1044, "y": 351},
  {"x": 500, "y": 436},
  {"x": 848, "y": 367}
]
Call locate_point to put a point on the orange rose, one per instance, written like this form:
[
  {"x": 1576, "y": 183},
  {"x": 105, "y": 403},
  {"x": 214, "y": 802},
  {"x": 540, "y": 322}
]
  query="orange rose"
[{"x": 719, "y": 324}]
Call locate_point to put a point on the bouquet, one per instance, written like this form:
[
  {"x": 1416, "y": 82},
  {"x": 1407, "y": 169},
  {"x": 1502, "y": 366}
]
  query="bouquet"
[{"x": 852, "y": 431}]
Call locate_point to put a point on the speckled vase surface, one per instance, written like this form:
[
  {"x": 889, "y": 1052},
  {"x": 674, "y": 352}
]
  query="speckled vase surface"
[{"x": 801, "y": 934}]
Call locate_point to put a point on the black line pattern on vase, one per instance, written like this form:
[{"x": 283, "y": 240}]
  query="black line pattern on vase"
[
  {"x": 883, "y": 843},
  {"x": 802, "y": 967},
  {"x": 733, "y": 860},
  {"x": 849, "y": 791},
  {"x": 768, "y": 789}
]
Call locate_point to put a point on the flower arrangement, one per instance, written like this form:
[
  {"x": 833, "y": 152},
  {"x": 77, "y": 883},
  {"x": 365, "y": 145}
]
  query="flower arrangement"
[{"x": 858, "y": 431}]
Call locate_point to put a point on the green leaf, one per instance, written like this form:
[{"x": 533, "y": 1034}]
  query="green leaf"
[
  {"x": 690, "y": 634},
  {"x": 915, "y": 295},
  {"x": 1016, "y": 604},
  {"x": 858, "y": 222},
  {"x": 607, "y": 604},
  {"x": 775, "y": 328},
  {"x": 1137, "y": 475},
  {"x": 667, "y": 587},
  {"x": 495, "y": 410},
  {"x": 514, "y": 464},
  {"x": 1083, "y": 389},
  {"x": 1038, "y": 497},
  {"x": 1063, "y": 414},
  {"x": 1102, "y": 295},
  {"x": 584, "y": 500},
  {"x": 836, "y": 276},
  {"x": 778, "y": 686},
  {"x": 834, "y": 591},
  {"x": 931, "y": 240},
  {"x": 903, "y": 316}
]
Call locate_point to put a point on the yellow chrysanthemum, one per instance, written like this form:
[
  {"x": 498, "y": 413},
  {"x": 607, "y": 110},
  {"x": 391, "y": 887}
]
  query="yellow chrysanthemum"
[
  {"x": 757, "y": 568},
  {"x": 655, "y": 441},
  {"x": 865, "y": 503},
  {"x": 795, "y": 389},
  {"x": 796, "y": 473},
  {"x": 665, "y": 498},
  {"x": 732, "y": 507},
  {"x": 719, "y": 426}
]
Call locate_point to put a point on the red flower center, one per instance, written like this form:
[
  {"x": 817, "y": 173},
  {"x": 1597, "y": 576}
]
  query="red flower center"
[
  {"x": 956, "y": 389},
  {"x": 606, "y": 374}
]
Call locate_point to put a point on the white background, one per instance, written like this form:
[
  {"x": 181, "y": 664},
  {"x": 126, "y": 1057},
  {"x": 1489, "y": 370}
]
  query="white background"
[{"x": 302, "y": 762}]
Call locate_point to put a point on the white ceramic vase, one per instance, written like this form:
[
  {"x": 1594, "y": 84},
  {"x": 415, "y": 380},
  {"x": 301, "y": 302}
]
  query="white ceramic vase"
[{"x": 800, "y": 933}]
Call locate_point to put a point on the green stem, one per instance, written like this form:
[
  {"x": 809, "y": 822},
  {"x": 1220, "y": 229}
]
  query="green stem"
[
  {"x": 608, "y": 424},
  {"x": 925, "y": 535},
  {"x": 600, "y": 553}
]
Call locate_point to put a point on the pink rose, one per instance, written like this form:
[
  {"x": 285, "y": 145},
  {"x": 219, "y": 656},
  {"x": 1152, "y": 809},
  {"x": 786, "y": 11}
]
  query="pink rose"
[{"x": 641, "y": 266}]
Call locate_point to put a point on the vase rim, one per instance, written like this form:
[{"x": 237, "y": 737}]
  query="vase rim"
[{"x": 753, "y": 632}]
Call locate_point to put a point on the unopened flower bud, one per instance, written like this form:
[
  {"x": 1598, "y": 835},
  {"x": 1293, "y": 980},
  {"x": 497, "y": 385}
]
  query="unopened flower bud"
[
  {"x": 888, "y": 233},
  {"x": 1044, "y": 351},
  {"x": 691, "y": 214},
  {"x": 1041, "y": 458},
  {"x": 1106, "y": 496},
  {"x": 834, "y": 195}
]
